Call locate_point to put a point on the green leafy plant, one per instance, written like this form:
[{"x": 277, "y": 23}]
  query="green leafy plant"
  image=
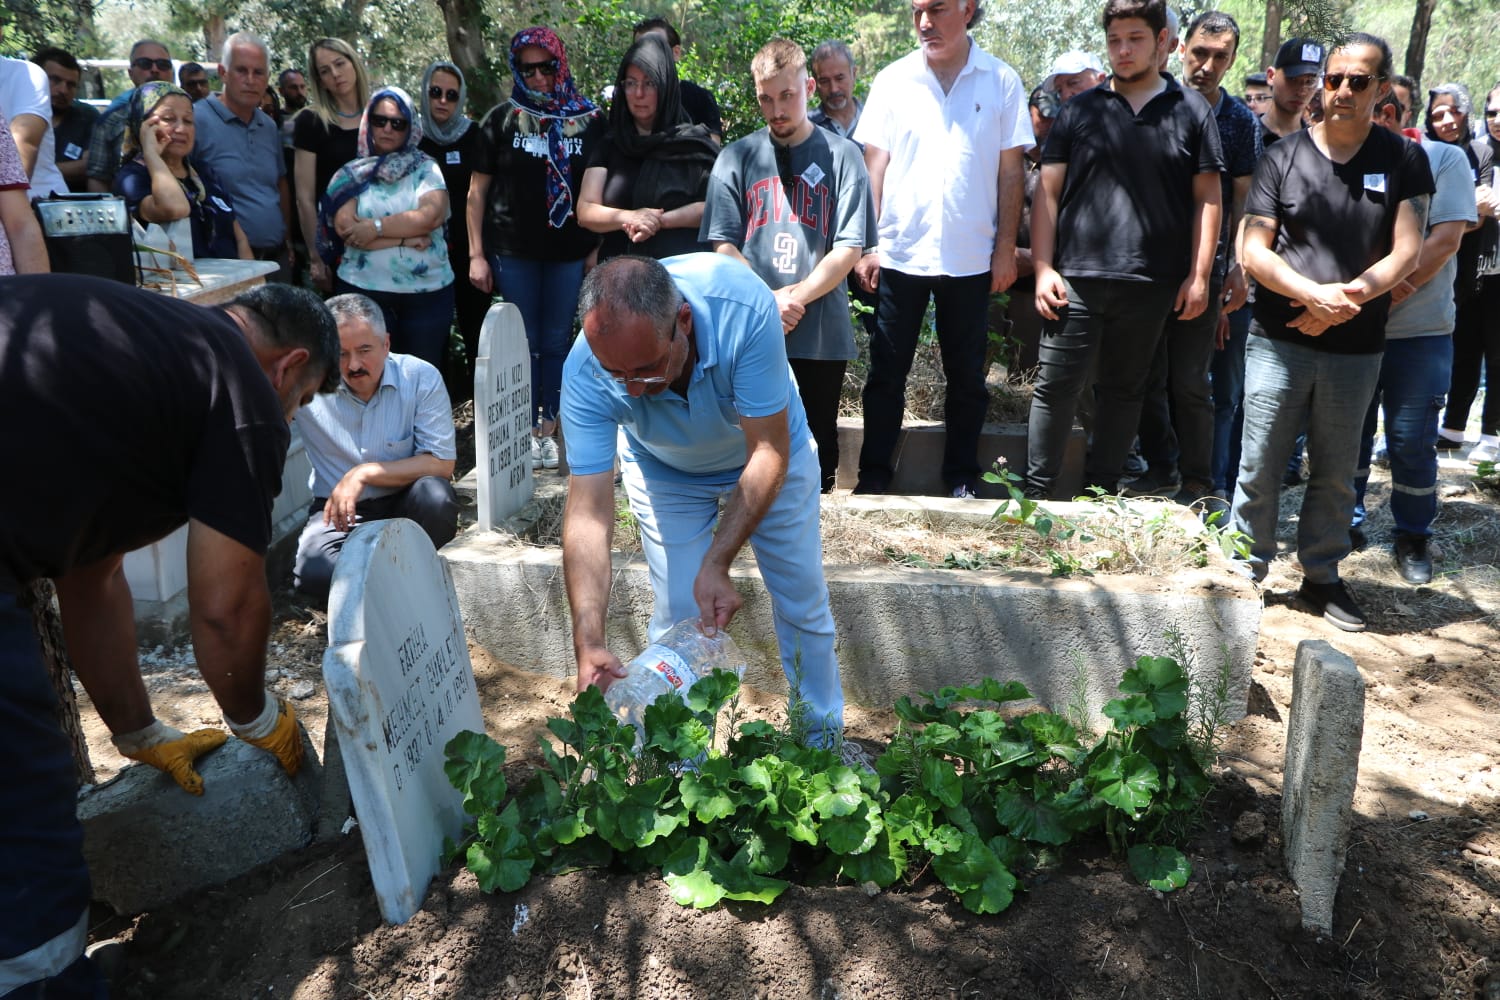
[{"x": 969, "y": 793}]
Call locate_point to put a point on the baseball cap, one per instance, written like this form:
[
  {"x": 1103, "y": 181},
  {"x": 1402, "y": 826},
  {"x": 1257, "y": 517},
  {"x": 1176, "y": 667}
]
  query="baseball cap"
[
  {"x": 1255, "y": 79},
  {"x": 1299, "y": 57},
  {"x": 1045, "y": 101},
  {"x": 1069, "y": 63}
]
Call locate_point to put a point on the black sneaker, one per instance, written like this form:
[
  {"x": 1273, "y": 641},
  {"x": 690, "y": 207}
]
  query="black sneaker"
[
  {"x": 872, "y": 487},
  {"x": 1357, "y": 539},
  {"x": 1413, "y": 560},
  {"x": 1448, "y": 444},
  {"x": 1335, "y": 603},
  {"x": 1153, "y": 483}
]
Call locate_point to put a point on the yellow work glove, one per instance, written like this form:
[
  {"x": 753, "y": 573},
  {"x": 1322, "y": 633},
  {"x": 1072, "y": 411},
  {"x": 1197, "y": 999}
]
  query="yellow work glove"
[
  {"x": 169, "y": 750},
  {"x": 275, "y": 731}
]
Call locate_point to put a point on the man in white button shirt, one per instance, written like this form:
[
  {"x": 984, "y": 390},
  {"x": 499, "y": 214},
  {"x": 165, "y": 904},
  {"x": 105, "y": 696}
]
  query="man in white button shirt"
[
  {"x": 381, "y": 445},
  {"x": 944, "y": 131}
]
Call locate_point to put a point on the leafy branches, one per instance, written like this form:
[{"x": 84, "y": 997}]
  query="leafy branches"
[{"x": 974, "y": 794}]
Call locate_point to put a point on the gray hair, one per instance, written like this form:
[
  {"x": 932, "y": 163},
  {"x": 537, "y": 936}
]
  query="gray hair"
[
  {"x": 244, "y": 39},
  {"x": 829, "y": 50},
  {"x": 633, "y": 286},
  {"x": 141, "y": 43},
  {"x": 288, "y": 316},
  {"x": 352, "y": 305}
]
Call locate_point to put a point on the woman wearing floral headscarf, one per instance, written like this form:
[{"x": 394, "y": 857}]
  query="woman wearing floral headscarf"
[
  {"x": 452, "y": 139},
  {"x": 1449, "y": 112},
  {"x": 524, "y": 238},
  {"x": 158, "y": 182},
  {"x": 383, "y": 214},
  {"x": 644, "y": 189}
]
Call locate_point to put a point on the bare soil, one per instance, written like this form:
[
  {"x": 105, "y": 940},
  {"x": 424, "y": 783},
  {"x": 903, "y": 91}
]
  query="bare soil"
[{"x": 1417, "y": 915}]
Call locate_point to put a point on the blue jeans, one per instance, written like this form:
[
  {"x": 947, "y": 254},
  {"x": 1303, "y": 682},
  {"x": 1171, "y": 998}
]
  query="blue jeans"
[
  {"x": 1228, "y": 374},
  {"x": 1111, "y": 329},
  {"x": 546, "y": 292},
  {"x": 677, "y": 521},
  {"x": 44, "y": 881},
  {"x": 1288, "y": 387},
  {"x": 418, "y": 322},
  {"x": 961, "y": 307},
  {"x": 1414, "y": 380}
]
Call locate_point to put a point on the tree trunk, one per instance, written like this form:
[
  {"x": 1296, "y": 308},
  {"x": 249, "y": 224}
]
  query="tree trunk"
[
  {"x": 214, "y": 33},
  {"x": 1416, "y": 46},
  {"x": 39, "y": 598},
  {"x": 464, "y": 23},
  {"x": 1271, "y": 40}
]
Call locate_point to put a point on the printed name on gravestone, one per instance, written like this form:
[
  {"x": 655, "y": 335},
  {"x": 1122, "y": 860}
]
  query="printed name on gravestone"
[
  {"x": 502, "y": 413},
  {"x": 399, "y": 688}
]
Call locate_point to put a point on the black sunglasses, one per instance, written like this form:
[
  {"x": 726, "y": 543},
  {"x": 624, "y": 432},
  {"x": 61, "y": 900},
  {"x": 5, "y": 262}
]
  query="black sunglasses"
[
  {"x": 145, "y": 63},
  {"x": 1358, "y": 82},
  {"x": 528, "y": 70},
  {"x": 436, "y": 93},
  {"x": 396, "y": 123}
]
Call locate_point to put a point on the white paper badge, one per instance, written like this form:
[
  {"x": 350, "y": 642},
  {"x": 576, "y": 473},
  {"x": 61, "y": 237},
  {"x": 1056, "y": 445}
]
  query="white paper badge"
[
  {"x": 1375, "y": 182},
  {"x": 72, "y": 151},
  {"x": 812, "y": 175},
  {"x": 454, "y": 156},
  {"x": 1312, "y": 54}
]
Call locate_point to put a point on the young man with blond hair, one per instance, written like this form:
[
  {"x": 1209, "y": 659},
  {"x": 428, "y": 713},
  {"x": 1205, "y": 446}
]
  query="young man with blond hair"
[{"x": 792, "y": 202}]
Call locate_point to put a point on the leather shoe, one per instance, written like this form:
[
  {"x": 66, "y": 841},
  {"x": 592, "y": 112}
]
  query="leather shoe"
[{"x": 1412, "y": 560}]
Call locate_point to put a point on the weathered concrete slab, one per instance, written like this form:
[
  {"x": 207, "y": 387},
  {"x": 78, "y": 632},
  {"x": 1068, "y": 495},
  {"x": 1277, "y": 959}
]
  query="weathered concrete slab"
[
  {"x": 502, "y": 416},
  {"x": 399, "y": 687},
  {"x": 918, "y": 458},
  {"x": 1324, "y": 735},
  {"x": 900, "y": 630},
  {"x": 148, "y": 842}
]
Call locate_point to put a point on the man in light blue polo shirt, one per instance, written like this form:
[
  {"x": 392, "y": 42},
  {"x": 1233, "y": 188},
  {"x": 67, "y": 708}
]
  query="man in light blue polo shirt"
[
  {"x": 682, "y": 373},
  {"x": 381, "y": 446},
  {"x": 242, "y": 146}
]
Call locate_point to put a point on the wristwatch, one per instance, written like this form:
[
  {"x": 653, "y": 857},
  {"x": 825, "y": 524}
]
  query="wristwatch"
[{"x": 378, "y": 227}]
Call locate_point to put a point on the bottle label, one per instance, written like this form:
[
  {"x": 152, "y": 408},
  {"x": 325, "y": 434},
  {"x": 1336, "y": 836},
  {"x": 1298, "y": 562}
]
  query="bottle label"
[{"x": 671, "y": 667}]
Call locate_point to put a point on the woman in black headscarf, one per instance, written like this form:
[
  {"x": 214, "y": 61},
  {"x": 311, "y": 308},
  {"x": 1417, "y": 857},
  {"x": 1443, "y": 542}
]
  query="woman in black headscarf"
[
  {"x": 645, "y": 186},
  {"x": 1476, "y": 329}
]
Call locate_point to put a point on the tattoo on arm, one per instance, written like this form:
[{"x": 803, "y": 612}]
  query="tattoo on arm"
[{"x": 1258, "y": 222}]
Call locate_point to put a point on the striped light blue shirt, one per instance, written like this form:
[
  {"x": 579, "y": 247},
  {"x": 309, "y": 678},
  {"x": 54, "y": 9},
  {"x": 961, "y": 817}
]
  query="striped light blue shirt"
[{"x": 408, "y": 415}]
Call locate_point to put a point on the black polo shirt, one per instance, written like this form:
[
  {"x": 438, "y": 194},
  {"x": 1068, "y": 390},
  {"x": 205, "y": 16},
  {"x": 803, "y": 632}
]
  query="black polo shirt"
[
  {"x": 1126, "y": 209},
  {"x": 123, "y": 413},
  {"x": 1335, "y": 220}
]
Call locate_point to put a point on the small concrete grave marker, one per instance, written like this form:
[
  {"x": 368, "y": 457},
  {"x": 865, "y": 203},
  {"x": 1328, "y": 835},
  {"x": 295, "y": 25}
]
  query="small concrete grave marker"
[
  {"x": 399, "y": 688},
  {"x": 502, "y": 416}
]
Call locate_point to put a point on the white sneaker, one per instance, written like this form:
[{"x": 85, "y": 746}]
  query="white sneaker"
[
  {"x": 549, "y": 452},
  {"x": 536, "y": 453},
  {"x": 1486, "y": 450}
]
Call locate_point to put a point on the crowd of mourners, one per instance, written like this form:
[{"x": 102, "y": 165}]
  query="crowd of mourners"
[{"x": 1223, "y": 288}]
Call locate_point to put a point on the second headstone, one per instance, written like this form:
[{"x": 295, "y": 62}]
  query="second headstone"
[{"x": 502, "y": 416}]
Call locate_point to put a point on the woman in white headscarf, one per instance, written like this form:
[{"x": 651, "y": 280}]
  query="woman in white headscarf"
[{"x": 452, "y": 139}]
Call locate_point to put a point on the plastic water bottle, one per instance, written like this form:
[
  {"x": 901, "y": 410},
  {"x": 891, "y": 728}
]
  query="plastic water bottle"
[{"x": 673, "y": 663}]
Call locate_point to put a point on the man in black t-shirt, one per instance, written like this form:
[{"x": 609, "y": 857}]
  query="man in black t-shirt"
[
  {"x": 1123, "y": 232},
  {"x": 124, "y": 414},
  {"x": 1330, "y": 228},
  {"x": 72, "y": 120},
  {"x": 698, "y": 103}
]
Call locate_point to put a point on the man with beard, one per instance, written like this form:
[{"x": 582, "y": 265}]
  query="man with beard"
[
  {"x": 1123, "y": 232},
  {"x": 833, "y": 71}
]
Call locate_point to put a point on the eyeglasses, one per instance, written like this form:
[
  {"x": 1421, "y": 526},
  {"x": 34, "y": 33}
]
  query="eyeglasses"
[
  {"x": 636, "y": 86},
  {"x": 394, "y": 124},
  {"x": 437, "y": 94},
  {"x": 648, "y": 379},
  {"x": 145, "y": 63},
  {"x": 1358, "y": 82},
  {"x": 529, "y": 70},
  {"x": 1257, "y": 98}
]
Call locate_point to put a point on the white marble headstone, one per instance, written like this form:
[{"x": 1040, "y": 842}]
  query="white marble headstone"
[
  {"x": 502, "y": 416},
  {"x": 400, "y": 686}
]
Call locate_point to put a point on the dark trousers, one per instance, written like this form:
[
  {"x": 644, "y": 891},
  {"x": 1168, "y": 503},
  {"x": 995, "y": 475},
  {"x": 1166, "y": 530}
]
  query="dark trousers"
[
  {"x": 1476, "y": 340},
  {"x": 418, "y": 322},
  {"x": 1177, "y": 417},
  {"x": 44, "y": 881},
  {"x": 470, "y": 306},
  {"x": 278, "y": 256},
  {"x": 962, "y": 306},
  {"x": 820, "y": 384},
  {"x": 429, "y": 501},
  {"x": 1120, "y": 324}
]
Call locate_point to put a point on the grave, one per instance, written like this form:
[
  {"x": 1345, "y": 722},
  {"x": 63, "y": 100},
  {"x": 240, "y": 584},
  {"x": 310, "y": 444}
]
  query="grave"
[
  {"x": 399, "y": 688},
  {"x": 502, "y": 416}
]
